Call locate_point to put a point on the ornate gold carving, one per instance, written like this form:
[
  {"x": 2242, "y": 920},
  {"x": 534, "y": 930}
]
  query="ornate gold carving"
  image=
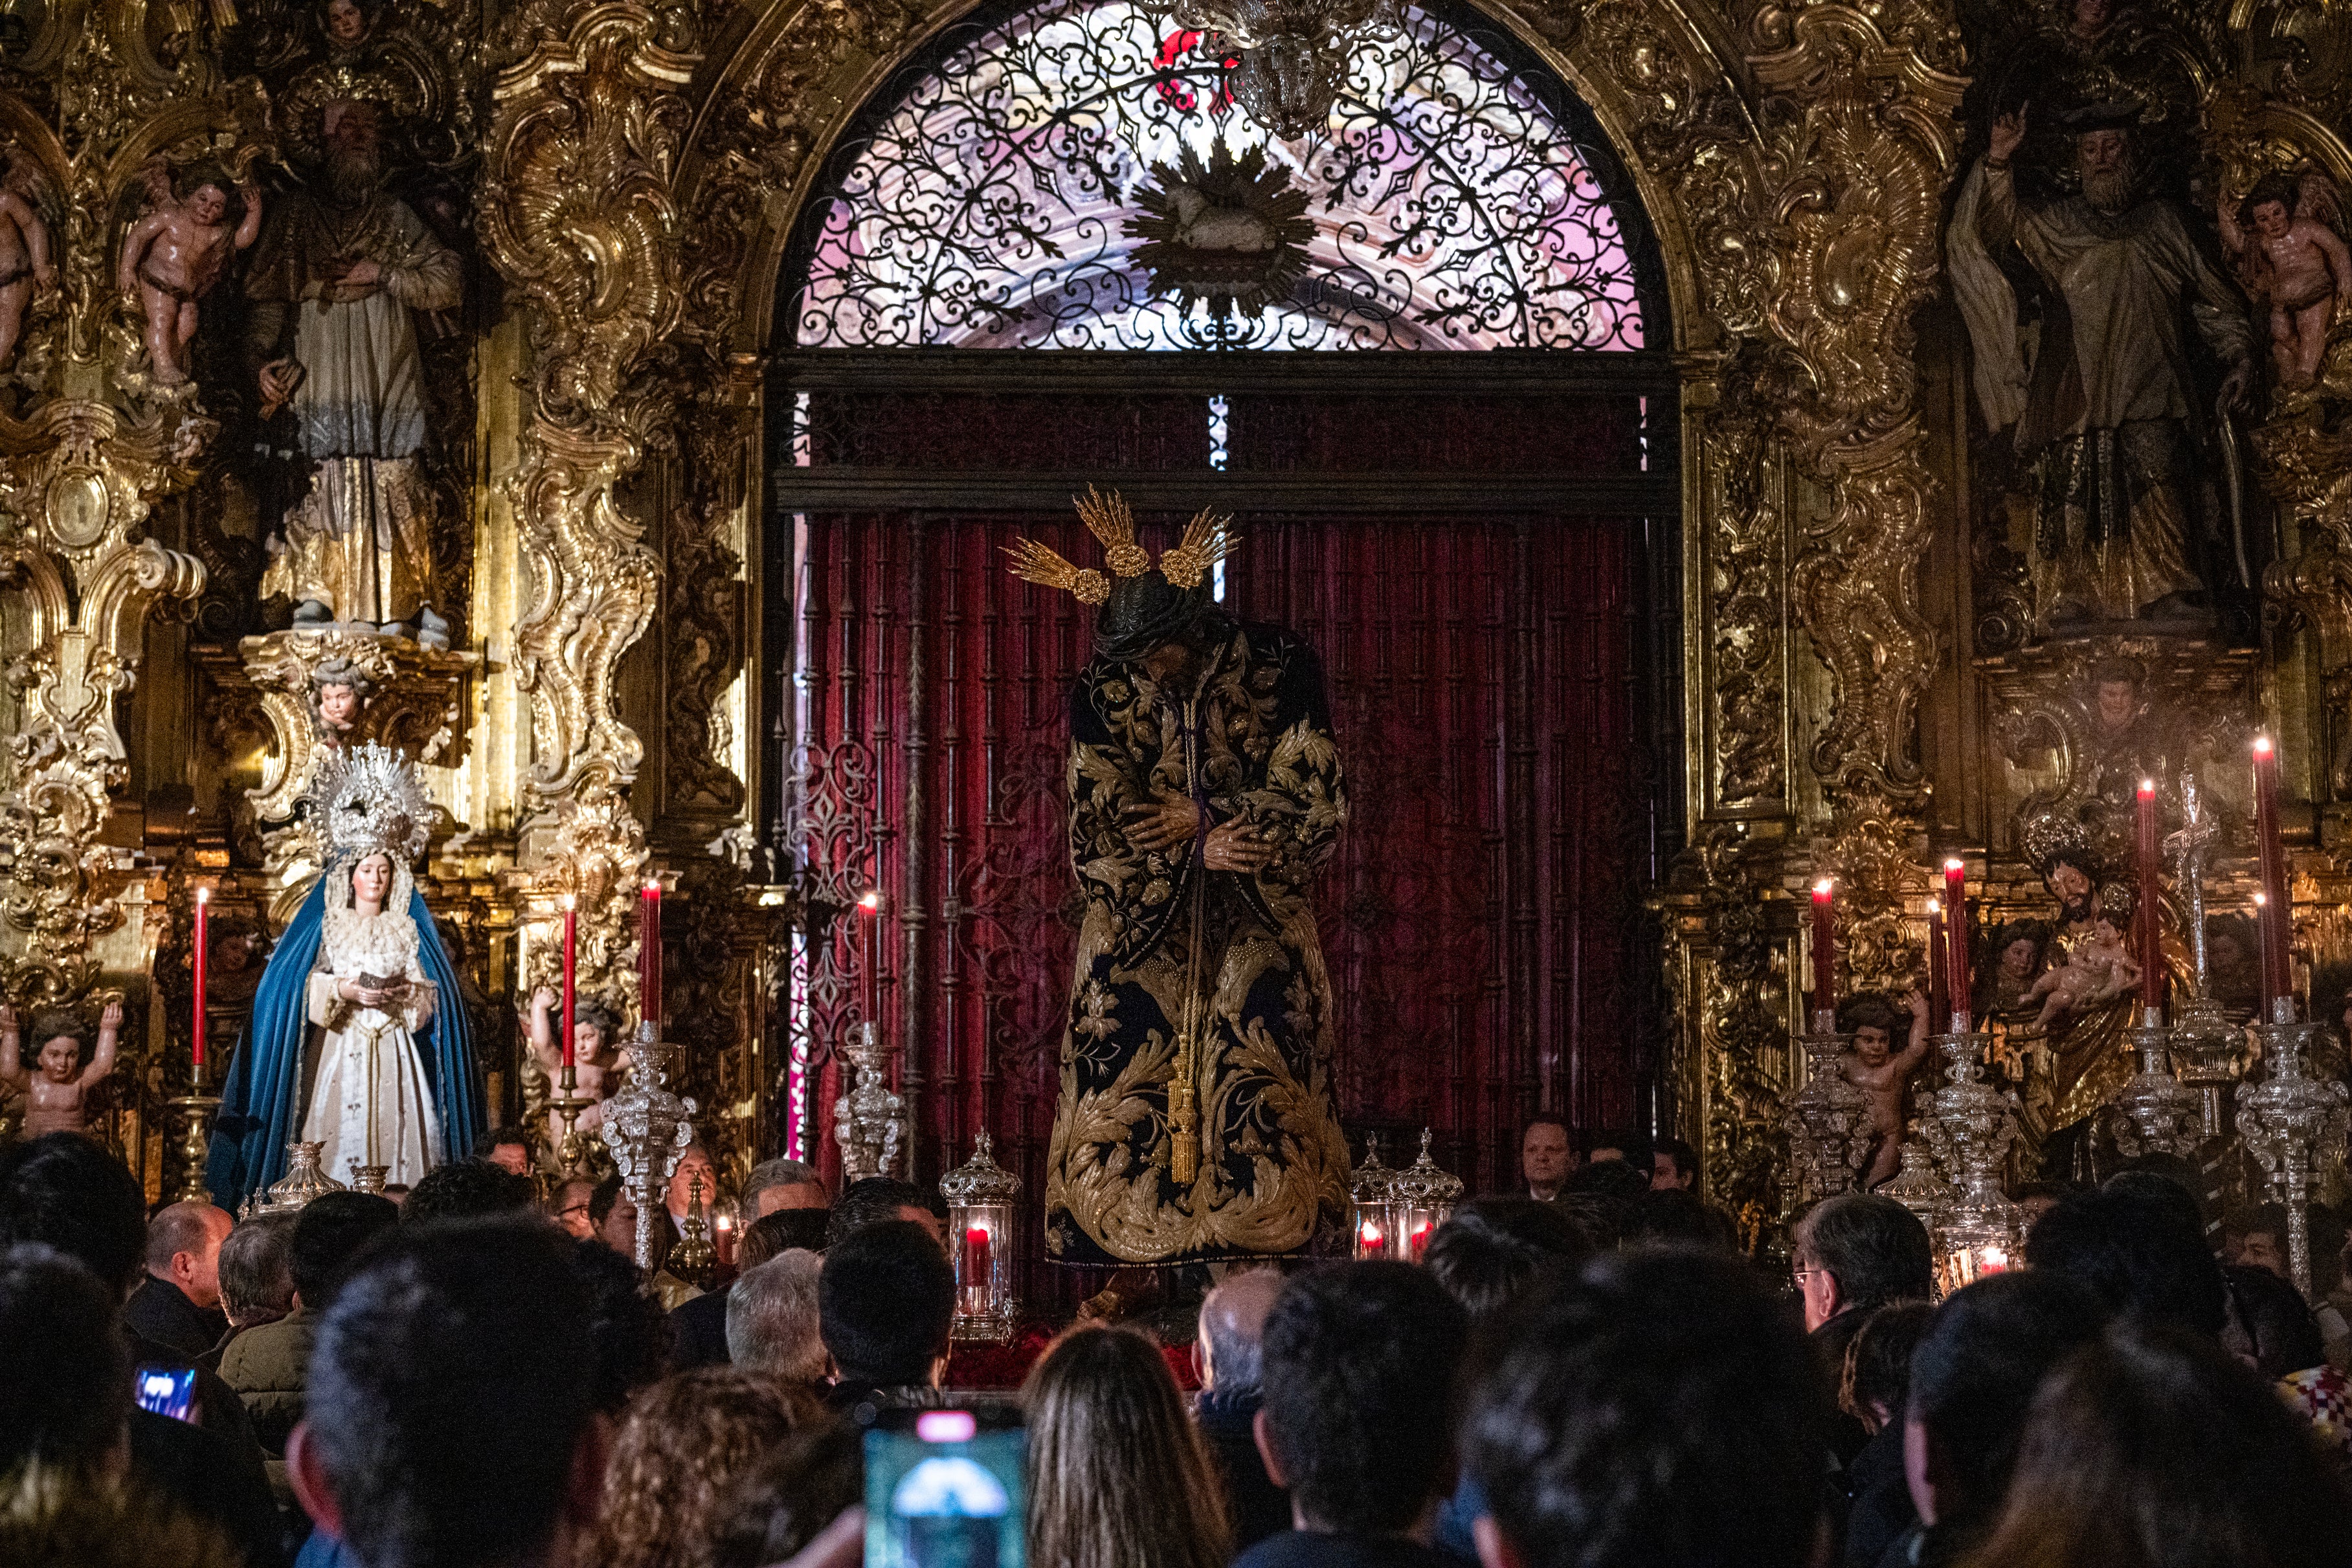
[{"x": 72, "y": 497}]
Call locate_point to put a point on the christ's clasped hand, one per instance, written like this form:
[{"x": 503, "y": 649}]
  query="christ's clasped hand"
[{"x": 1164, "y": 824}]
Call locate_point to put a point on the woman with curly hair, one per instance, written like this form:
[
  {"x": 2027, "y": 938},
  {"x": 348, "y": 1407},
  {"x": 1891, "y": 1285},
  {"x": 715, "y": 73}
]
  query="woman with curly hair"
[
  {"x": 682, "y": 1448},
  {"x": 1117, "y": 1477}
]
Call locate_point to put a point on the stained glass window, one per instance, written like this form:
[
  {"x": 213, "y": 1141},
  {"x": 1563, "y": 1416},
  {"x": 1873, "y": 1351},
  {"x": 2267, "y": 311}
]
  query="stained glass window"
[{"x": 1457, "y": 202}]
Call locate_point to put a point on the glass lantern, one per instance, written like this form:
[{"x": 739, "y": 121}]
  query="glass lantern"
[
  {"x": 1424, "y": 1195},
  {"x": 980, "y": 1195},
  {"x": 1374, "y": 1212}
]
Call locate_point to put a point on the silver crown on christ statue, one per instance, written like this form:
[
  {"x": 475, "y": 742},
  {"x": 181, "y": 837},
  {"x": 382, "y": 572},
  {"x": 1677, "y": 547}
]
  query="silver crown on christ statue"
[{"x": 369, "y": 798}]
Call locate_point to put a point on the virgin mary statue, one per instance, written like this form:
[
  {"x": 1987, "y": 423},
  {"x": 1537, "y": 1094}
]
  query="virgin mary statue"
[{"x": 356, "y": 1041}]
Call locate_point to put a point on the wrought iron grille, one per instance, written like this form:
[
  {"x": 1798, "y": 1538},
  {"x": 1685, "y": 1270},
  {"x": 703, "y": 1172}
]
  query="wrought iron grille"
[{"x": 1458, "y": 202}]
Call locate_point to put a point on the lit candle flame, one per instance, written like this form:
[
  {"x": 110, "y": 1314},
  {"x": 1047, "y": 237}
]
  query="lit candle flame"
[
  {"x": 1935, "y": 906},
  {"x": 2261, "y": 899},
  {"x": 568, "y": 900},
  {"x": 870, "y": 899},
  {"x": 2147, "y": 787},
  {"x": 1956, "y": 864},
  {"x": 204, "y": 895},
  {"x": 2262, "y": 745},
  {"x": 1823, "y": 888}
]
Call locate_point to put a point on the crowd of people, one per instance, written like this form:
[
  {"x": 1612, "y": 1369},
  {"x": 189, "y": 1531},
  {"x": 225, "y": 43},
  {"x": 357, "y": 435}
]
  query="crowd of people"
[{"x": 1585, "y": 1375}]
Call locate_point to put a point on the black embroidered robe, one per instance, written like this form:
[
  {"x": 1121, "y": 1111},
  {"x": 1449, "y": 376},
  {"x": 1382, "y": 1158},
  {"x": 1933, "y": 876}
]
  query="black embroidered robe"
[{"x": 1166, "y": 943}]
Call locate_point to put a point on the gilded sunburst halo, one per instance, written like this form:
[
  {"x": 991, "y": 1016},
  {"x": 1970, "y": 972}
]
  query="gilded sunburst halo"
[{"x": 1230, "y": 231}]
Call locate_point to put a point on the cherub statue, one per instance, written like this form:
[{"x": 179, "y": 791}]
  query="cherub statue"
[
  {"x": 2291, "y": 259},
  {"x": 2098, "y": 971},
  {"x": 338, "y": 694},
  {"x": 173, "y": 256},
  {"x": 1881, "y": 1072},
  {"x": 595, "y": 1051},
  {"x": 25, "y": 263},
  {"x": 54, "y": 1096}
]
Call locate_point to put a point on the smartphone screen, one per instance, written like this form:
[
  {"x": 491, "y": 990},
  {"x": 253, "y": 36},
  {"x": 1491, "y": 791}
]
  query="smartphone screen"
[
  {"x": 167, "y": 1390},
  {"x": 943, "y": 1489}
]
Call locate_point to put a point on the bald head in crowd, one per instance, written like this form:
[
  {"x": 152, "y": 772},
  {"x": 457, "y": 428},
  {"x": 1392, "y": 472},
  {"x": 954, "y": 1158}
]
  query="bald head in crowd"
[
  {"x": 1233, "y": 1330},
  {"x": 184, "y": 1243}
]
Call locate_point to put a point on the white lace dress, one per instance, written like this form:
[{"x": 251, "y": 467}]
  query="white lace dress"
[{"x": 371, "y": 1103}]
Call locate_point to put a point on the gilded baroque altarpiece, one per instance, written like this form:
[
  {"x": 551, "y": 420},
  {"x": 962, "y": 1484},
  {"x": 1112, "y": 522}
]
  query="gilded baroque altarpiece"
[{"x": 576, "y": 210}]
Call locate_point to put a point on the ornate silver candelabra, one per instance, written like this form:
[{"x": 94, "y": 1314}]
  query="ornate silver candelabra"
[
  {"x": 869, "y": 1121},
  {"x": 2292, "y": 1125},
  {"x": 2206, "y": 1047},
  {"x": 2160, "y": 1115},
  {"x": 647, "y": 1129},
  {"x": 1824, "y": 1118},
  {"x": 1980, "y": 1228}
]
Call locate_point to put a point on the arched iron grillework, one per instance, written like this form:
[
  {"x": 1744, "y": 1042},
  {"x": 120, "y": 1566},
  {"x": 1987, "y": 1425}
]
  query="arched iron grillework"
[{"x": 1459, "y": 200}]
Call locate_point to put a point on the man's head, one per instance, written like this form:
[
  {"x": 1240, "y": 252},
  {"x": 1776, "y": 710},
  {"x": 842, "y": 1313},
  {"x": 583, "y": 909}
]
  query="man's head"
[
  {"x": 878, "y": 1200},
  {"x": 2110, "y": 177},
  {"x": 2141, "y": 1254},
  {"x": 507, "y": 1148},
  {"x": 885, "y": 1301},
  {"x": 1871, "y": 1020},
  {"x": 2258, "y": 1239},
  {"x": 327, "y": 1234},
  {"x": 772, "y": 1323},
  {"x": 256, "y": 1270},
  {"x": 65, "y": 1391},
  {"x": 569, "y": 1205},
  {"x": 783, "y": 1184},
  {"x": 60, "y": 1046},
  {"x": 613, "y": 1211},
  {"x": 354, "y": 149},
  {"x": 773, "y": 1235},
  {"x": 1672, "y": 1164},
  {"x": 1491, "y": 1249},
  {"x": 66, "y": 1192},
  {"x": 694, "y": 1170},
  {"x": 1858, "y": 1251},
  {"x": 1655, "y": 1409},
  {"x": 2073, "y": 882},
  {"x": 1359, "y": 1363},
  {"x": 1630, "y": 1147},
  {"x": 450, "y": 1416},
  {"x": 467, "y": 1189},
  {"x": 1232, "y": 1332},
  {"x": 183, "y": 1246},
  {"x": 1546, "y": 1153},
  {"x": 1973, "y": 1381}
]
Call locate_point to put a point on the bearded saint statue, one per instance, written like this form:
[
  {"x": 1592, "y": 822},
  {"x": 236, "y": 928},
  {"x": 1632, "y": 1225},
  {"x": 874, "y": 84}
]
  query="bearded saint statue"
[
  {"x": 2101, "y": 398},
  {"x": 1196, "y": 1121}
]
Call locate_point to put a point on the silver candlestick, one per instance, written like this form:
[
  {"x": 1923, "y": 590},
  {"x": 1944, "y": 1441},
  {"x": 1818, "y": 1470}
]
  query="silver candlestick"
[
  {"x": 2292, "y": 1125},
  {"x": 1981, "y": 1228},
  {"x": 2161, "y": 1115},
  {"x": 1826, "y": 1118},
  {"x": 647, "y": 1129},
  {"x": 869, "y": 1122}
]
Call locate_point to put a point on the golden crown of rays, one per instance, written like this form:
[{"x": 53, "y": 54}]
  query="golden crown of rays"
[{"x": 1208, "y": 539}]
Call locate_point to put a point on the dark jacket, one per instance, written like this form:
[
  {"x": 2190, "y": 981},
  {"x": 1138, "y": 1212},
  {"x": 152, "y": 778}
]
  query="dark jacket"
[
  {"x": 204, "y": 1473},
  {"x": 1259, "y": 1507},
  {"x": 161, "y": 1311},
  {"x": 1878, "y": 1499},
  {"x": 1830, "y": 1342},
  {"x": 698, "y": 1331},
  {"x": 269, "y": 1367}
]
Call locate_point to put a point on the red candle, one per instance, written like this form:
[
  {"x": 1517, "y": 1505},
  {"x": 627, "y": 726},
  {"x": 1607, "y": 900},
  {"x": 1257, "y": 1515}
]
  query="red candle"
[
  {"x": 204, "y": 944},
  {"x": 978, "y": 1260},
  {"x": 1825, "y": 957},
  {"x": 1955, "y": 925},
  {"x": 1938, "y": 998},
  {"x": 1420, "y": 1243},
  {"x": 2151, "y": 928},
  {"x": 649, "y": 953},
  {"x": 2272, "y": 911},
  {"x": 1375, "y": 1245},
  {"x": 571, "y": 970},
  {"x": 870, "y": 911}
]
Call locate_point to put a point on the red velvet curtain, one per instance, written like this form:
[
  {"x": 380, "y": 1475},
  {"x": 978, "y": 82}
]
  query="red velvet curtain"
[{"x": 1480, "y": 920}]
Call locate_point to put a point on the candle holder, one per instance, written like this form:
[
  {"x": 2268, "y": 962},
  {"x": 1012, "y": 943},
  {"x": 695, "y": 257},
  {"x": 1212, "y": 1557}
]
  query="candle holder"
[
  {"x": 1824, "y": 1118},
  {"x": 980, "y": 1195},
  {"x": 305, "y": 1179},
  {"x": 196, "y": 1112},
  {"x": 647, "y": 1129},
  {"x": 1979, "y": 1230},
  {"x": 1373, "y": 1193},
  {"x": 694, "y": 1259},
  {"x": 370, "y": 1178},
  {"x": 1919, "y": 1186},
  {"x": 567, "y": 1106},
  {"x": 2158, "y": 1113},
  {"x": 1424, "y": 1195},
  {"x": 2209, "y": 1053},
  {"x": 2293, "y": 1126},
  {"x": 869, "y": 1121}
]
